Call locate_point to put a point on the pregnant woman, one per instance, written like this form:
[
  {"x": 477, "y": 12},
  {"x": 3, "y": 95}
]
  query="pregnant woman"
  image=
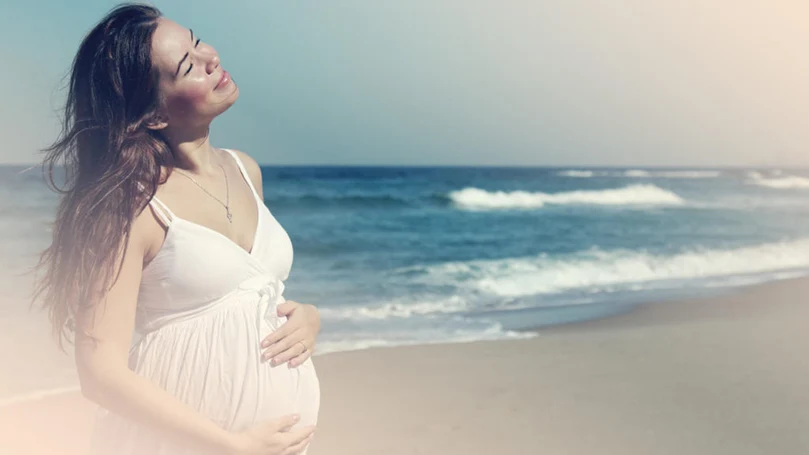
[{"x": 166, "y": 267}]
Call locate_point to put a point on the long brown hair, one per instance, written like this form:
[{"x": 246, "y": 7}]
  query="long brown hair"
[{"x": 107, "y": 153}]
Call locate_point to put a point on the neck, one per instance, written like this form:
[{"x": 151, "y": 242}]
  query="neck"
[{"x": 193, "y": 152}]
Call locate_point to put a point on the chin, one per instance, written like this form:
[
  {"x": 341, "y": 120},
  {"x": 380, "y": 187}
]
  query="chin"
[
  {"x": 234, "y": 96},
  {"x": 225, "y": 104}
]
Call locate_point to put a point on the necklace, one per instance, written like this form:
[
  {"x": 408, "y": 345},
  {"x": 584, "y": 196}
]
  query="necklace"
[{"x": 227, "y": 187}]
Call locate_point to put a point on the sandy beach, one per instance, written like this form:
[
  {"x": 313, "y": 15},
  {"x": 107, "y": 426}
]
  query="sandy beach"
[{"x": 724, "y": 375}]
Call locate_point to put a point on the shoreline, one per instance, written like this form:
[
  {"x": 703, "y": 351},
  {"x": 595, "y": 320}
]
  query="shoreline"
[
  {"x": 714, "y": 375},
  {"x": 603, "y": 312}
]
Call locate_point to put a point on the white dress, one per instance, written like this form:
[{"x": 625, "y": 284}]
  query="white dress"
[{"x": 204, "y": 305}]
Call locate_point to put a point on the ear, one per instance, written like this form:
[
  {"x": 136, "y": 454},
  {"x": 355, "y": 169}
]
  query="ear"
[{"x": 157, "y": 122}]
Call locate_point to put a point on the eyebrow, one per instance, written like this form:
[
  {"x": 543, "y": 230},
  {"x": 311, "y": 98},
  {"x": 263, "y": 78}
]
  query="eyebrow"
[{"x": 184, "y": 56}]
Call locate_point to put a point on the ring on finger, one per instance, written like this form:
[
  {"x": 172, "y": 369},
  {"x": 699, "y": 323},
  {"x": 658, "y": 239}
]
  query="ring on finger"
[{"x": 304, "y": 347}]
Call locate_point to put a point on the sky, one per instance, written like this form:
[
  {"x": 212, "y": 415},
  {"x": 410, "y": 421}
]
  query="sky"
[{"x": 685, "y": 83}]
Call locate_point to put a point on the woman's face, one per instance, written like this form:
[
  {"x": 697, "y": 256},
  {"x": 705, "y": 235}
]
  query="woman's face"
[{"x": 195, "y": 88}]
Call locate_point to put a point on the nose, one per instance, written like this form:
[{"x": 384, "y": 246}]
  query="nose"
[{"x": 213, "y": 63}]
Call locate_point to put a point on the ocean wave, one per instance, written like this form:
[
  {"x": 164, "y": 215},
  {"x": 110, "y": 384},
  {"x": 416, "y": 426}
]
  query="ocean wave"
[
  {"x": 640, "y": 173},
  {"x": 403, "y": 308},
  {"x": 576, "y": 173},
  {"x": 634, "y": 195},
  {"x": 412, "y": 336},
  {"x": 599, "y": 270},
  {"x": 637, "y": 173},
  {"x": 485, "y": 285},
  {"x": 787, "y": 182}
]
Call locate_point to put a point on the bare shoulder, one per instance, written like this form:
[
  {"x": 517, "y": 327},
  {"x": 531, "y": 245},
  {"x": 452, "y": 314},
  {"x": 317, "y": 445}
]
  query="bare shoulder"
[
  {"x": 147, "y": 232},
  {"x": 253, "y": 170}
]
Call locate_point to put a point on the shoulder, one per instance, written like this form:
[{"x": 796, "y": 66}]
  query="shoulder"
[
  {"x": 146, "y": 233},
  {"x": 253, "y": 170}
]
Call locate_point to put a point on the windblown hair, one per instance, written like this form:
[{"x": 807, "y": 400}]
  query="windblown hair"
[{"x": 112, "y": 163}]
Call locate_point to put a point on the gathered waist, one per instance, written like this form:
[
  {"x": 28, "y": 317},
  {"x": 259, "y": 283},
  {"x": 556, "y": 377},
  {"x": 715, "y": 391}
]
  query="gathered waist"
[{"x": 268, "y": 288}]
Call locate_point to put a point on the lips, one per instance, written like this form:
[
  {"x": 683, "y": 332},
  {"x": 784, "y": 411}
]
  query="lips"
[{"x": 223, "y": 80}]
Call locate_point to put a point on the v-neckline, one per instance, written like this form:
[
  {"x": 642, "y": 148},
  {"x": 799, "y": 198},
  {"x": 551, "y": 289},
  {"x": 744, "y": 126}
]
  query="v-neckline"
[
  {"x": 250, "y": 253},
  {"x": 170, "y": 232},
  {"x": 257, "y": 202}
]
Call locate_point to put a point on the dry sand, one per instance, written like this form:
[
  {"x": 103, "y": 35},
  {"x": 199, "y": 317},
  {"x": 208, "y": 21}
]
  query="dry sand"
[{"x": 727, "y": 375}]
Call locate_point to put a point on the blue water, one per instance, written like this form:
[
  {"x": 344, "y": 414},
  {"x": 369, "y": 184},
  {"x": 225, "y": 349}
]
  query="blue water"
[
  {"x": 414, "y": 255},
  {"x": 419, "y": 255}
]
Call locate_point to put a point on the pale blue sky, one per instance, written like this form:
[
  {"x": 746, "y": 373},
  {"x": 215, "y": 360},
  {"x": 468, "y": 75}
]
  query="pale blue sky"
[{"x": 465, "y": 82}]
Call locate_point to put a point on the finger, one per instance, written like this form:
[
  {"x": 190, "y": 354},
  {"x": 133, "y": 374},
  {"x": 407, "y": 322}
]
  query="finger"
[
  {"x": 295, "y": 350},
  {"x": 284, "y": 423},
  {"x": 297, "y": 361},
  {"x": 299, "y": 447},
  {"x": 281, "y": 332},
  {"x": 282, "y": 346},
  {"x": 286, "y": 307},
  {"x": 297, "y": 435}
]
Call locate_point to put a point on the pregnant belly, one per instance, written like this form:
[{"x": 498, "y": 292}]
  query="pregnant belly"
[{"x": 212, "y": 363}]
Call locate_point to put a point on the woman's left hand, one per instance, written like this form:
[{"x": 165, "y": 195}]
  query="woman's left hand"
[{"x": 294, "y": 341}]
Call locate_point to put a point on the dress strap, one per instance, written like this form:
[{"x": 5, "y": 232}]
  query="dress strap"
[
  {"x": 161, "y": 209},
  {"x": 244, "y": 173},
  {"x": 163, "y": 212}
]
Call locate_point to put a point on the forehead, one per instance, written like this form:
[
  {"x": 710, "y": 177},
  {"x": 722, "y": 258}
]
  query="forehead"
[{"x": 169, "y": 43}]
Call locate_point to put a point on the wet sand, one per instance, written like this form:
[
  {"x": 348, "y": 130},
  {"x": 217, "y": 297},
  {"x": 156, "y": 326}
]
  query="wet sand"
[{"x": 722, "y": 375}]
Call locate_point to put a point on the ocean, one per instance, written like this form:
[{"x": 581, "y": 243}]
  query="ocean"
[{"x": 419, "y": 255}]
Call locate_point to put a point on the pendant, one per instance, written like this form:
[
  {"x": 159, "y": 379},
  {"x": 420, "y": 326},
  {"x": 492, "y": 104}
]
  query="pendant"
[{"x": 230, "y": 217}]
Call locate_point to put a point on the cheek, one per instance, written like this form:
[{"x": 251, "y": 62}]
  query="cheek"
[{"x": 192, "y": 98}]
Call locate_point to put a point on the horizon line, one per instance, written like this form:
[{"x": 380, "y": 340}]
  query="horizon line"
[{"x": 503, "y": 166}]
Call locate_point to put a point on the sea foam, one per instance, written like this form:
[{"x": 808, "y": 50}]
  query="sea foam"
[{"x": 634, "y": 195}]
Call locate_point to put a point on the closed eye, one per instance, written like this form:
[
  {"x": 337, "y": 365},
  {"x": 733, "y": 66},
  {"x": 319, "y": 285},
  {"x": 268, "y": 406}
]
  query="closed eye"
[{"x": 192, "y": 65}]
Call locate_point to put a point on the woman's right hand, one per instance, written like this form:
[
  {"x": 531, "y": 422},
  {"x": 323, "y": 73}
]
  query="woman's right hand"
[{"x": 274, "y": 437}]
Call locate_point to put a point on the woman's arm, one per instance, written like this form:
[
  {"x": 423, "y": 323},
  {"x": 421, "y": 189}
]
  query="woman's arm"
[{"x": 103, "y": 338}]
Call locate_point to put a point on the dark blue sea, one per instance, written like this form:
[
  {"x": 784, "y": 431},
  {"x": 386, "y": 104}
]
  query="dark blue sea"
[{"x": 397, "y": 255}]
